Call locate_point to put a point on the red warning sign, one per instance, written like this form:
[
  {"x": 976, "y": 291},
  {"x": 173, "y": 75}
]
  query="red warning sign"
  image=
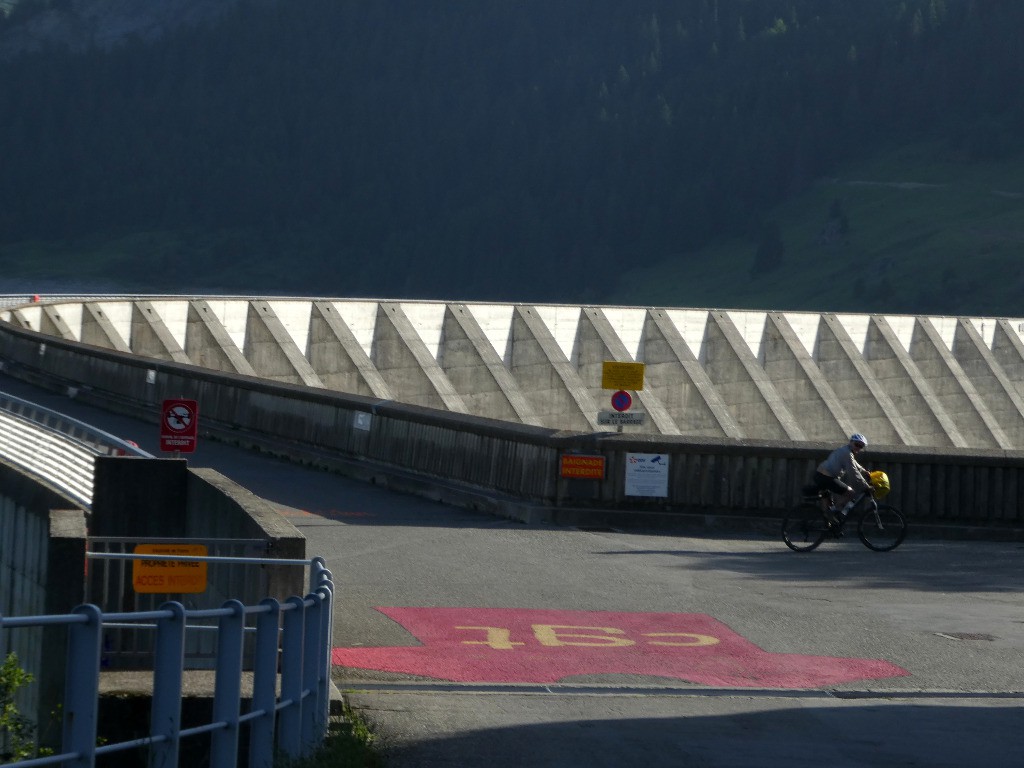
[
  {"x": 577, "y": 467},
  {"x": 179, "y": 425}
]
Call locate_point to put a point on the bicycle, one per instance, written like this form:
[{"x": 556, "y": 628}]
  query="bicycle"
[{"x": 880, "y": 527}]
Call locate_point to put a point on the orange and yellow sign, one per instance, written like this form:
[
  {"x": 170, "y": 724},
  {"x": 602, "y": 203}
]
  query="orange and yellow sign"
[
  {"x": 169, "y": 576},
  {"x": 578, "y": 467}
]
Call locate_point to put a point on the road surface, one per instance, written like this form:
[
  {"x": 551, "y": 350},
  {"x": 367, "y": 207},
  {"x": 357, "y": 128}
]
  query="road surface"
[{"x": 468, "y": 640}]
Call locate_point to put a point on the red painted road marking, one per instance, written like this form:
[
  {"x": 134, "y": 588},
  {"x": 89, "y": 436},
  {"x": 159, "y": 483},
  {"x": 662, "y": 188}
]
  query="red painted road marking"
[
  {"x": 331, "y": 514},
  {"x": 480, "y": 645}
]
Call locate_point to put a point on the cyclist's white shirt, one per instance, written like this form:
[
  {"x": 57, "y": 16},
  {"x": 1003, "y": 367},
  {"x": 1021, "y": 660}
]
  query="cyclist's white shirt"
[{"x": 841, "y": 462}]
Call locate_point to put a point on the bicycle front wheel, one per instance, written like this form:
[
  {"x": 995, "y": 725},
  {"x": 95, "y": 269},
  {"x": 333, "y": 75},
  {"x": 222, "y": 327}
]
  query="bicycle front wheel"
[
  {"x": 805, "y": 528},
  {"x": 882, "y": 529}
]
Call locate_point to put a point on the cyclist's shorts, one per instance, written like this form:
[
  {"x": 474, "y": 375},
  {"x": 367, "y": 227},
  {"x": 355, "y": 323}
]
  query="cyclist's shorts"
[{"x": 830, "y": 483}]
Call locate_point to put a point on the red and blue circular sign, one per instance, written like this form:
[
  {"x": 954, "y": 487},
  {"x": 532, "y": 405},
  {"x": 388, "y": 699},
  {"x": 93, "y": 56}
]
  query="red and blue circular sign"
[{"x": 621, "y": 400}]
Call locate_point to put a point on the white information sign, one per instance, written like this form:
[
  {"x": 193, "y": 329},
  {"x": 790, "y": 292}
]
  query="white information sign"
[
  {"x": 619, "y": 419},
  {"x": 647, "y": 474}
]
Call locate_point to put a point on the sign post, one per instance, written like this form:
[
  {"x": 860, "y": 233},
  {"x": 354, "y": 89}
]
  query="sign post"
[
  {"x": 179, "y": 425},
  {"x": 621, "y": 377}
]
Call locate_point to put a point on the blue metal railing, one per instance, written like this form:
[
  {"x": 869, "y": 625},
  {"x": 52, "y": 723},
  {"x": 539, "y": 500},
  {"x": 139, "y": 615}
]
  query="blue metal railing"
[{"x": 292, "y": 724}]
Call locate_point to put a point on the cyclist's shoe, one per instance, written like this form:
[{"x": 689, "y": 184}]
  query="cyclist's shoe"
[{"x": 832, "y": 516}]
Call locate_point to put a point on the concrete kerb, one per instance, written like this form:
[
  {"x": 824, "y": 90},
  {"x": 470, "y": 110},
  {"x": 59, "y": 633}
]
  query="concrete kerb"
[{"x": 196, "y": 685}]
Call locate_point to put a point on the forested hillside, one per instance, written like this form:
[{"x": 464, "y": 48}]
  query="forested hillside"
[{"x": 473, "y": 149}]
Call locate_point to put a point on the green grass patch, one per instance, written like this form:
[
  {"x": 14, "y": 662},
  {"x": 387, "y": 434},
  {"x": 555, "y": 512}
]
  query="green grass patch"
[
  {"x": 926, "y": 234},
  {"x": 152, "y": 261},
  {"x": 349, "y": 743}
]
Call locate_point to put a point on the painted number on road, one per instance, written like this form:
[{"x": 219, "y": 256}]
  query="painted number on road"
[
  {"x": 546, "y": 646},
  {"x": 562, "y": 635}
]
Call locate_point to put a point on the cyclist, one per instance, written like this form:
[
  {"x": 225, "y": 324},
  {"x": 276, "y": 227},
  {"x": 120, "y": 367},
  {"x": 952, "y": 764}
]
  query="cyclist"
[{"x": 842, "y": 465}]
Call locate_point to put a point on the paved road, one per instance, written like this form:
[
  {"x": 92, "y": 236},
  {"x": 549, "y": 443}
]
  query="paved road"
[{"x": 516, "y": 645}]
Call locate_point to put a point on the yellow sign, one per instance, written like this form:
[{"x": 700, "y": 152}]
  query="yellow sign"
[
  {"x": 169, "y": 576},
  {"x": 622, "y": 375}
]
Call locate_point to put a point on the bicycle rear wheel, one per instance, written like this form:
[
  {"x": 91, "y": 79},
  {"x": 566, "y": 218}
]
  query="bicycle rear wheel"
[
  {"x": 882, "y": 530},
  {"x": 805, "y": 528}
]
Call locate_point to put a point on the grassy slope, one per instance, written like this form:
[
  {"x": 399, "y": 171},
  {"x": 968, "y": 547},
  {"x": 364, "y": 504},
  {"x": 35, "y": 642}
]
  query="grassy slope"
[
  {"x": 145, "y": 261},
  {"x": 925, "y": 236}
]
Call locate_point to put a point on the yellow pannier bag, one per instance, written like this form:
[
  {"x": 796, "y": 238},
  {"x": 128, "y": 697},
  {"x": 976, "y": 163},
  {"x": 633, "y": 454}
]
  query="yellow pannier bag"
[{"x": 880, "y": 484}]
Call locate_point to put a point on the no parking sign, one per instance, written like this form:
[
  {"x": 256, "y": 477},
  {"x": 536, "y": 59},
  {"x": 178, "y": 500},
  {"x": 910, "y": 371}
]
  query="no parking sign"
[
  {"x": 622, "y": 400},
  {"x": 179, "y": 425}
]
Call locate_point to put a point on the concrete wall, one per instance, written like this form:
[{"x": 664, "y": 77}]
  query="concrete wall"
[
  {"x": 902, "y": 380},
  {"x": 165, "y": 498},
  {"x": 512, "y": 469}
]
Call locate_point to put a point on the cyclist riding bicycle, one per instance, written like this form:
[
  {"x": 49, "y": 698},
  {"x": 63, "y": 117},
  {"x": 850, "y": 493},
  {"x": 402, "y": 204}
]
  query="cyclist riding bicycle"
[{"x": 842, "y": 465}]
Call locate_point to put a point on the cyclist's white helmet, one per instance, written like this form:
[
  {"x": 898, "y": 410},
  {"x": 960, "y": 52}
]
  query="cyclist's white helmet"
[{"x": 857, "y": 437}]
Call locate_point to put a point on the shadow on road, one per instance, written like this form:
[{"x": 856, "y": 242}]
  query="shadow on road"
[
  {"x": 935, "y": 565},
  {"x": 874, "y": 734}
]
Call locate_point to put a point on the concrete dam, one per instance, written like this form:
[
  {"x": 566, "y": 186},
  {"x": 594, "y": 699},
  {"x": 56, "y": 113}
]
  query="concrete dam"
[{"x": 935, "y": 382}]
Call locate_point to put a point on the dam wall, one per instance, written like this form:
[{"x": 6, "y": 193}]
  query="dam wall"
[
  {"x": 943, "y": 382},
  {"x": 514, "y": 469}
]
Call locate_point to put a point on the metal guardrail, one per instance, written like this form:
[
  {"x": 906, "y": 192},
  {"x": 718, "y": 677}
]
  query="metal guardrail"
[
  {"x": 8, "y": 300},
  {"x": 13, "y": 300},
  {"x": 292, "y": 723},
  {"x": 109, "y": 585},
  {"x": 55, "y": 448}
]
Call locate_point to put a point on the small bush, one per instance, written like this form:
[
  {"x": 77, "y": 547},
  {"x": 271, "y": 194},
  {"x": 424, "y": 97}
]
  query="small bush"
[{"x": 18, "y": 731}]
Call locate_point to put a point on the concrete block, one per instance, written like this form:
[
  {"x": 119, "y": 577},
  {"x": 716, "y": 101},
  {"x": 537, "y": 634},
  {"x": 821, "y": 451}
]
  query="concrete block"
[
  {"x": 472, "y": 364},
  {"x": 545, "y": 374},
  {"x": 28, "y": 317},
  {"x": 209, "y": 344},
  {"x": 691, "y": 325},
  {"x": 338, "y": 358},
  {"x": 990, "y": 381},
  {"x": 888, "y": 356},
  {"x": 750, "y": 395},
  {"x": 800, "y": 383},
  {"x": 100, "y": 330},
  {"x": 407, "y": 365},
  {"x": 840, "y": 358},
  {"x": 495, "y": 322},
  {"x": 953, "y": 388},
  {"x": 54, "y": 323},
  {"x": 138, "y": 497},
  {"x": 1008, "y": 350},
  {"x": 272, "y": 351},
  {"x": 151, "y": 337},
  {"x": 673, "y": 373}
]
